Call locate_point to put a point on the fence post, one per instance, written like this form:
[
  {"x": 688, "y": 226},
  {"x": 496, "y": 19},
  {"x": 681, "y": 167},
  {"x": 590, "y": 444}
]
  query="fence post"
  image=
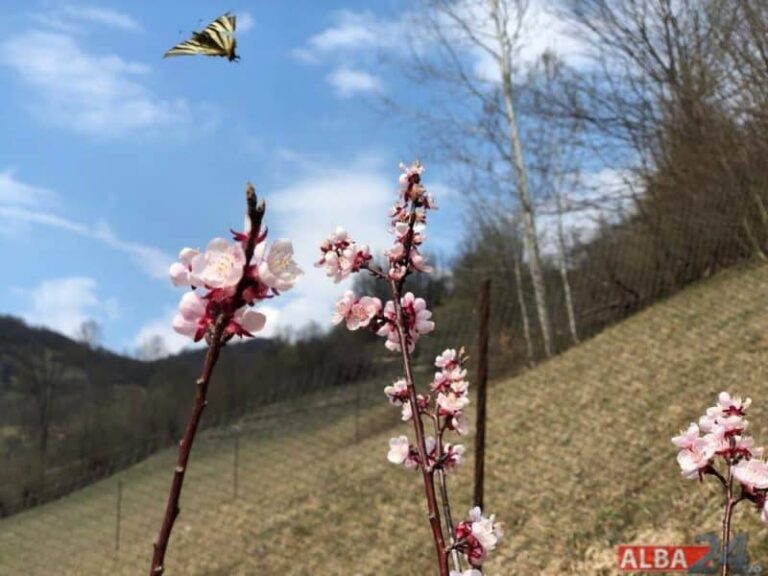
[
  {"x": 118, "y": 514},
  {"x": 236, "y": 465},
  {"x": 481, "y": 382}
]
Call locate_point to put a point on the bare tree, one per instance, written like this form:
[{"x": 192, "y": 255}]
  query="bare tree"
[
  {"x": 562, "y": 253},
  {"x": 152, "y": 348},
  {"x": 89, "y": 333},
  {"x": 468, "y": 51},
  {"x": 39, "y": 377}
]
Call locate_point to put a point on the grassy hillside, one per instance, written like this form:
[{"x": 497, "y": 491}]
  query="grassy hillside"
[{"x": 579, "y": 461}]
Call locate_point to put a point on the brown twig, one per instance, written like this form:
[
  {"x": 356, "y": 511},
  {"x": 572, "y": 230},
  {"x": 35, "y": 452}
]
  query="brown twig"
[{"x": 215, "y": 342}]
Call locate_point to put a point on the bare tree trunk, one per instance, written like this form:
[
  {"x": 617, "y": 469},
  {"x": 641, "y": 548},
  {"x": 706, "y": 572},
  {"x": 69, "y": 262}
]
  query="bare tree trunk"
[
  {"x": 523, "y": 310},
  {"x": 563, "y": 264},
  {"x": 529, "y": 221}
]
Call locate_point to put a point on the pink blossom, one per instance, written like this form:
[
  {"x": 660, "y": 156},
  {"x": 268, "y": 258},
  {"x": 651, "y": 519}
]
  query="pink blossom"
[
  {"x": 733, "y": 405},
  {"x": 417, "y": 320},
  {"x": 764, "y": 511},
  {"x": 397, "y": 272},
  {"x": 696, "y": 457},
  {"x": 180, "y": 271},
  {"x": 459, "y": 424},
  {"x": 341, "y": 257},
  {"x": 278, "y": 270},
  {"x": 401, "y": 452},
  {"x": 487, "y": 531},
  {"x": 687, "y": 437},
  {"x": 479, "y": 536},
  {"x": 399, "y": 449},
  {"x": 396, "y": 252},
  {"x": 448, "y": 358},
  {"x": 406, "y": 412},
  {"x": 422, "y": 401},
  {"x": 410, "y": 173},
  {"x": 420, "y": 263},
  {"x": 459, "y": 387},
  {"x": 753, "y": 474},
  {"x": 452, "y": 455},
  {"x": 731, "y": 446},
  {"x": 192, "y": 318},
  {"x": 357, "y": 312},
  {"x": 398, "y": 392},
  {"x": 727, "y": 417},
  {"x": 220, "y": 266},
  {"x": 246, "y": 322},
  {"x": 441, "y": 382},
  {"x": 451, "y": 404}
]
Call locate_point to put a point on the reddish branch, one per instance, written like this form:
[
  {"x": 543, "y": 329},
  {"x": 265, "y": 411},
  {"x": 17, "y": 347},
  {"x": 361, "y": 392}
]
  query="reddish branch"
[
  {"x": 427, "y": 471},
  {"x": 215, "y": 342}
]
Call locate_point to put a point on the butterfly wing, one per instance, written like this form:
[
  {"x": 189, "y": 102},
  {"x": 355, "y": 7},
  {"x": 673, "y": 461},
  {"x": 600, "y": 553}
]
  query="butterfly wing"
[{"x": 217, "y": 39}]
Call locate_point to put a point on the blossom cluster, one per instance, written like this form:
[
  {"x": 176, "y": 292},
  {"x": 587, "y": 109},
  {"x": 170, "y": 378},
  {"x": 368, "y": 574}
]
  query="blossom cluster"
[
  {"x": 408, "y": 219},
  {"x": 222, "y": 282},
  {"x": 402, "y": 321},
  {"x": 452, "y": 389},
  {"x": 341, "y": 256},
  {"x": 477, "y": 536},
  {"x": 719, "y": 436}
]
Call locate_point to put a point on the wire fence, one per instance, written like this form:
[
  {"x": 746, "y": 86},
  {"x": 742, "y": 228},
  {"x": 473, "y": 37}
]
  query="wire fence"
[
  {"x": 254, "y": 466},
  {"x": 286, "y": 451}
]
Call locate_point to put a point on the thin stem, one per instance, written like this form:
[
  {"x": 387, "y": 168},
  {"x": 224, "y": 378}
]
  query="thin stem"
[
  {"x": 215, "y": 341},
  {"x": 442, "y": 484},
  {"x": 730, "y": 503},
  {"x": 185, "y": 447},
  {"x": 418, "y": 426}
]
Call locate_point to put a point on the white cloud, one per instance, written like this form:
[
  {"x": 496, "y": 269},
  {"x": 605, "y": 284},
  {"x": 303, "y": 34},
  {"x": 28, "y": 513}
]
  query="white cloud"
[
  {"x": 358, "y": 196},
  {"x": 63, "y": 304},
  {"x": 70, "y": 18},
  {"x": 245, "y": 22},
  {"x": 20, "y": 207},
  {"x": 348, "y": 82},
  {"x": 350, "y": 32},
  {"x": 98, "y": 95}
]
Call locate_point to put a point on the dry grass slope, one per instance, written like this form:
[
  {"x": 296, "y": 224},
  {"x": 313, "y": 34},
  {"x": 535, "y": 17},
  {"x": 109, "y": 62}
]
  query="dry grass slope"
[{"x": 579, "y": 461}]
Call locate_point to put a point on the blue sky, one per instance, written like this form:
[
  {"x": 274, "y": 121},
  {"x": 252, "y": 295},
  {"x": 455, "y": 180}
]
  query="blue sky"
[{"x": 112, "y": 159}]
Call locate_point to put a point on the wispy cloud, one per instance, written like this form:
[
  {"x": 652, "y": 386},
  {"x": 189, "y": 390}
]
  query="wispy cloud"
[
  {"x": 18, "y": 208},
  {"x": 348, "y": 82},
  {"x": 16, "y": 193},
  {"x": 353, "y": 39},
  {"x": 245, "y": 22},
  {"x": 94, "y": 94},
  {"x": 350, "y": 32},
  {"x": 63, "y": 304},
  {"x": 72, "y": 18}
]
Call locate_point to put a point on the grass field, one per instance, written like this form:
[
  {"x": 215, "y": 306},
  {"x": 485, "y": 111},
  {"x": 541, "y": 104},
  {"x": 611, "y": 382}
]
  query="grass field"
[{"x": 579, "y": 460}]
